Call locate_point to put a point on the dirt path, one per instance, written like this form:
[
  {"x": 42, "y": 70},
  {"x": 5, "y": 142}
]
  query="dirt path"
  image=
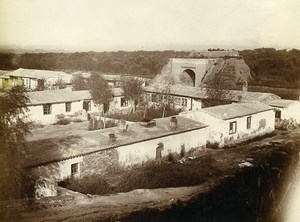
[{"x": 115, "y": 207}]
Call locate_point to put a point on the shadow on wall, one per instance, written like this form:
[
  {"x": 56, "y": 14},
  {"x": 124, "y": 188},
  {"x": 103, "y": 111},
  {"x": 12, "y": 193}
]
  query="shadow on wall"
[{"x": 262, "y": 124}]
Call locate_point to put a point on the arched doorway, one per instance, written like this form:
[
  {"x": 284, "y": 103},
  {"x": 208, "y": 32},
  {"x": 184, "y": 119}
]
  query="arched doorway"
[{"x": 188, "y": 77}]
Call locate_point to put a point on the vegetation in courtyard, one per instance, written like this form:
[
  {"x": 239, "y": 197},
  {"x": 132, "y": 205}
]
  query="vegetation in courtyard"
[
  {"x": 79, "y": 82},
  {"x": 152, "y": 112},
  {"x": 13, "y": 129},
  {"x": 133, "y": 91}
]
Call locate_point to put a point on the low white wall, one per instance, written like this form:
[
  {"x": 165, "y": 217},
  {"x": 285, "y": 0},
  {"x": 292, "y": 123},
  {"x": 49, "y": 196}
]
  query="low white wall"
[
  {"x": 57, "y": 170},
  {"x": 291, "y": 112},
  {"x": 218, "y": 130},
  {"x": 138, "y": 153}
]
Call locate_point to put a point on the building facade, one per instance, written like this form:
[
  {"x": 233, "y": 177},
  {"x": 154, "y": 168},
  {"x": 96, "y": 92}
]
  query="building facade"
[{"x": 234, "y": 123}]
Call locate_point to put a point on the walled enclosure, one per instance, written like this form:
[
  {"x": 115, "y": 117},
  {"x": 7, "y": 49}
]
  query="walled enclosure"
[{"x": 126, "y": 155}]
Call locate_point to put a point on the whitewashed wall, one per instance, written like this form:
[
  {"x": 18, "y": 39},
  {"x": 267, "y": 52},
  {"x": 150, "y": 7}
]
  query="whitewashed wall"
[
  {"x": 138, "y": 153},
  {"x": 58, "y": 170},
  {"x": 218, "y": 130},
  {"x": 36, "y": 112},
  {"x": 291, "y": 112}
]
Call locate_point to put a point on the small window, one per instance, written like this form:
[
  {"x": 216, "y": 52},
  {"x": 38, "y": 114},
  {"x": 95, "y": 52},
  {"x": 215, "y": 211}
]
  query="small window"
[
  {"x": 249, "y": 122},
  {"x": 277, "y": 114},
  {"x": 68, "y": 107},
  {"x": 74, "y": 168},
  {"x": 124, "y": 102},
  {"x": 154, "y": 98},
  {"x": 47, "y": 109},
  {"x": 87, "y": 105},
  {"x": 184, "y": 102},
  {"x": 232, "y": 127}
]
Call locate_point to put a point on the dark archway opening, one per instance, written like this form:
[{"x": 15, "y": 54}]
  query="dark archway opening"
[{"x": 188, "y": 77}]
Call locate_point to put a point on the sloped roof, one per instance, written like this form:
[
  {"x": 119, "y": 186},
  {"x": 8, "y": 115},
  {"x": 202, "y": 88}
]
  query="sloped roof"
[
  {"x": 57, "y": 96},
  {"x": 284, "y": 103},
  {"x": 235, "y": 110},
  {"x": 201, "y": 93},
  {"x": 63, "y": 95},
  {"x": 40, "y": 74}
]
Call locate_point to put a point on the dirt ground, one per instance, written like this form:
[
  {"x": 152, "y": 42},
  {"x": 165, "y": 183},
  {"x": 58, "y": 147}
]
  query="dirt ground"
[{"x": 114, "y": 207}]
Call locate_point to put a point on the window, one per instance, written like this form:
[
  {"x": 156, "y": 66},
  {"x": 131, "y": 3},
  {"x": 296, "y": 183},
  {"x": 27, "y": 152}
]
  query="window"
[
  {"x": 277, "y": 114},
  {"x": 232, "y": 127},
  {"x": 249, "y": 122},
  {"x": 47, "y": 109},
  {"x": 87, "y": 105},
  {"x": 153, "y": 98},
  {"x": 68, "y": 107},
  {"x": 123, "y": 102},
  {"x": 184, "y": 102},
  {"x": 74, "y": 168}
]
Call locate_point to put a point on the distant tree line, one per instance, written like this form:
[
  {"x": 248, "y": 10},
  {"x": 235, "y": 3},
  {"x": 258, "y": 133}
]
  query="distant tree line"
[
  {"x": 271, "y": 67},
  {"x": 140, "y": 63}
]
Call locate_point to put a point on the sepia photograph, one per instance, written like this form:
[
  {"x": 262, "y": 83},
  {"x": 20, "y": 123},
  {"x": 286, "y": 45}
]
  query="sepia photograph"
[{"x": 153, "y": 111}]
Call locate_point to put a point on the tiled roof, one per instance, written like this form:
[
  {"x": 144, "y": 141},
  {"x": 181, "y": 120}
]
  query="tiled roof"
[
  {"x": 200, "y": 93},
  {"x": 235, "y": 110},
  {"x": 62, "y": 95}
]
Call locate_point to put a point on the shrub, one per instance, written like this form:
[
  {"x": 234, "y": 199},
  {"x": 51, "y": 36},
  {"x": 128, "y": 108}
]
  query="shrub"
[
  {"x": 170, "y": 157},
  {"x": 93, "y": 184},
  {"x": 63, "y": 121},
  {"x": 212, "y": 145}
]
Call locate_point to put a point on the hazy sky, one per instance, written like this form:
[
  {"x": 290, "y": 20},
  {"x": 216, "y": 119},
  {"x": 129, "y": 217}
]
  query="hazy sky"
[{"x": 100, "y": 25}]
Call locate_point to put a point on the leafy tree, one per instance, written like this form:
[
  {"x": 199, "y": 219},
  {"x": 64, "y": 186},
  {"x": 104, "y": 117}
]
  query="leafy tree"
[
  {"x": 133, "y": 90},
  {"x": 60, "y": 83},
  {"x": 100, "y": 91},
  {"x": 13, "y": 129},
  {"x": 217, "y": 90},
  {"x": 79, "y": 82}
]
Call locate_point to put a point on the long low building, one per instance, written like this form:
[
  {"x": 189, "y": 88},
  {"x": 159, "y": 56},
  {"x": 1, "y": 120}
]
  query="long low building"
[
  {"x": 33, "y": 79},
  {"x": 233, "y": 123},
  {"x": 45, "y": 106},
  {"x": 72, "y": 150},
  {"x": 195, "y": 98}
]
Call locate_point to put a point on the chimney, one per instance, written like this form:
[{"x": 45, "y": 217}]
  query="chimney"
[
  {"x": 240, "y": 99},
  {"x": 173, "y": 123},
  {"x": 245, "y": 86},
  {"x": 123, "y": 127},
  {"x": 112, "y": 138}
]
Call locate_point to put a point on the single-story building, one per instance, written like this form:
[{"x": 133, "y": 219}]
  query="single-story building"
[
  {"x": 286, "y": 109},
  {"x": 72, "y": 150},
  {"x": 195, "y": 98},
  {"x": 45, "y": 106},
  {"x": 33, "y": 79},
  {"x": 236, "y": 122}
]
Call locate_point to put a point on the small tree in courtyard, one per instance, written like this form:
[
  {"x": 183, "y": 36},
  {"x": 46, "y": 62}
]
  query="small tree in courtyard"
[
  {"x": 79, "y": 82},
  {"x": 133, "y": 90},
  {"x": 13, "y": 129},
  {"x": 218, "y": 90},
  {"x": 100, "y": 91}
]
